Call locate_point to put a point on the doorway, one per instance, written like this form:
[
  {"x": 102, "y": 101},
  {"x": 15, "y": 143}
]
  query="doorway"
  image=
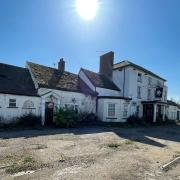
[
  {"x": 49, "y": 113},
  {"x": 148, "y": 112},
  {"x": 178, "y": 115}
]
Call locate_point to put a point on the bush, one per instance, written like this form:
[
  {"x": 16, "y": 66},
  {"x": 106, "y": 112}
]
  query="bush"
[
  {"x": 66, "y": 118},
  {"x": 29, "y": 120},
  {"x": 135, "y": 120}
]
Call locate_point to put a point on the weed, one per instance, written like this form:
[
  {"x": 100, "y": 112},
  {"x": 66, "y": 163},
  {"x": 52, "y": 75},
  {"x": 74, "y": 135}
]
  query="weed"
[
  {"x": 113, "y": 145},
  {"x": 128, "y": 142}
]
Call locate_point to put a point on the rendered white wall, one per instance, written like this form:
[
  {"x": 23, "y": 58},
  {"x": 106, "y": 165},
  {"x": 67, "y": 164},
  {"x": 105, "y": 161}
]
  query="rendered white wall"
[
  {"x": 172, "y": 112},
  {"x": 108, "y": 92},
  {"x": 103, "y": 110},
  {"x": 86, "y": 103},
  {"x": 9, "y": 113},
  {"x": 86, "y": 80}
]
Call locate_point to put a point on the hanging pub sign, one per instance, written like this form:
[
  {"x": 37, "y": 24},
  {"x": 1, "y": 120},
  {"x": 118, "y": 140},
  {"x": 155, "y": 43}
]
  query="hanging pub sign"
[{"x": 159, "y": 92}]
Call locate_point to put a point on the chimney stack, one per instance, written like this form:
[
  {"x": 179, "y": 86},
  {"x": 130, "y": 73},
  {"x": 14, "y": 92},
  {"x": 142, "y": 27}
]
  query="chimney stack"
[
  {"x": 61, "y": 65},
  {"x": 106, "y": 64}
]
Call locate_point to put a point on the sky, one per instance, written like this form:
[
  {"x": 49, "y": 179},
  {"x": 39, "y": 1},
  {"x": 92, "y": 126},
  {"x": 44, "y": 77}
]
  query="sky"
[{"x": 146, "y": 32}]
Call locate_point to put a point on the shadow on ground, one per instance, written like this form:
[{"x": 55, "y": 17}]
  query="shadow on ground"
[{"x": 138, "y": 134}]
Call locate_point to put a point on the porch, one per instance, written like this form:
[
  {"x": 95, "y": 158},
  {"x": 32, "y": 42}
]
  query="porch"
[{"x": 154, "y": 110}]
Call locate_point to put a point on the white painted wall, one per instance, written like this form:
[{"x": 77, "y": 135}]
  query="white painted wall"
[
  {"x": 107, "y": 92},
  {"x": 86, "y": 103},
  {"x": 10, "y": 114},
  {"x": 103, "y": 110},
  {"x": 131, "y": 84},
  {"x": 172, "y": 112},
  {"x": 86, "y": 80}
]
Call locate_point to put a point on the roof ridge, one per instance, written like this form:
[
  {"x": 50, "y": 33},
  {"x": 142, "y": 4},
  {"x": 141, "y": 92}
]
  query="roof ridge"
[
  {"x": 50, "y": 67},
  {"x": 13, "y": 65}
]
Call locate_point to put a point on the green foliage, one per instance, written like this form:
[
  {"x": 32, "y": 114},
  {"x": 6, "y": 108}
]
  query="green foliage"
[
  {"x": 29, "y": 120},
  {"x": 65, "y": 117},
  {"x": 135, "y": 120}
]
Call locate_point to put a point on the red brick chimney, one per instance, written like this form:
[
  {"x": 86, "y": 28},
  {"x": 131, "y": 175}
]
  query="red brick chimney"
[
  {"x": 106, "y": 64},
  {"x": 61, "y": 65}
]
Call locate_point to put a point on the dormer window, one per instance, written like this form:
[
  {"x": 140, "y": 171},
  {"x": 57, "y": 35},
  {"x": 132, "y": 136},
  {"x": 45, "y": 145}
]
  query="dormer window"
[{"x": 139, "y": 77}]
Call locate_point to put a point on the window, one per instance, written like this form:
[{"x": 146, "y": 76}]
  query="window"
[
  {"x": 139, "y": 92},
  {"x": 149, "y": 94},
  {"x": 139, "y": 77},
  {"x": 137, "y": 110},
  {"x": 12, "y": 102},
  {"x": 165, "y": 95},
  {"x": 28, "y": 104},
  {"x": 111, "y": 110},
  {"x": 125, "y": 112},
  {"x": 74, "y": 107},
  {"x": 158, "y": 83},
  {"x": 149, "y": 81}
]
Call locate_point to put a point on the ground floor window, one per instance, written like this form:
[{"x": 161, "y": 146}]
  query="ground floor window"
[
  {"x": 125, "y": 112},
  {"x": 74, "y": 107},
  {"x": 111, "y": 110},
  {"x": 12, "y": 103}
]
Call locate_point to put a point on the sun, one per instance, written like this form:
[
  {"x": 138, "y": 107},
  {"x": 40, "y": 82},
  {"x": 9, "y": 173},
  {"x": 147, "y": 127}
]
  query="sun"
[{"x": 87, "y": 9}]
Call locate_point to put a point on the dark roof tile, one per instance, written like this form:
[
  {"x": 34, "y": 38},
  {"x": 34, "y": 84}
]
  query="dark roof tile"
[
  {"x": 16, "y": 80},
  {"x": 99, "y": 80}
]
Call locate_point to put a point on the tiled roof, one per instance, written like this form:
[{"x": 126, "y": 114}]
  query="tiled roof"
[
  {"x": 128, "y": 63},
  {"x": 16, "y": 80},
  {"x": 99, "y": 80},
  {"x": 52, "y": 78}
]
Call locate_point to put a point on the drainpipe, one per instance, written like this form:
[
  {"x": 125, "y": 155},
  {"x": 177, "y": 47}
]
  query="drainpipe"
[{"x": 124, "y": 80}]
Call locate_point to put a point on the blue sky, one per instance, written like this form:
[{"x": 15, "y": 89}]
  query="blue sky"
[{"x": 146, "y": 32}]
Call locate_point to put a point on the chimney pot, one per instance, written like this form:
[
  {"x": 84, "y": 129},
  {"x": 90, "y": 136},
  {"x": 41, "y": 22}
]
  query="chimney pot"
[{"x": 61, "y": 65}]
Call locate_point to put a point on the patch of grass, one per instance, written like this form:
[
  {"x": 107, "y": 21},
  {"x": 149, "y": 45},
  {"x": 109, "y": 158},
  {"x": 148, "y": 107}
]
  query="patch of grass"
[
  {"x": 62, "y": 158},
  {"x": 41, "y": 146},
  {"x": 129, "y": 142},
  {"x": 123, "y": 143},
  {"x": 113, "y": 145},
  {"x": 26, "y": 164}
]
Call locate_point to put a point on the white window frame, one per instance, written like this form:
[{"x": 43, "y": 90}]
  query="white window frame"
[
  {"x": 149, "y": 81},
  {"x": 108, "y": 115},
  {"x": 12, "y": 103},
  {"x": 139, "y": 92},
  {"x": 149, "y": 94},
  {"x": 139, "y": 77},
  {"x": 75, "y": 106}
]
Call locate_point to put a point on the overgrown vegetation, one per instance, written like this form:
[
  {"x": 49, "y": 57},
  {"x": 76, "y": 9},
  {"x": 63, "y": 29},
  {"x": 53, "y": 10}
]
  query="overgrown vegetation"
[
  {"x": 135, "y": 120},
  {"x": 116, "y": 145},
  {"x": 26, "y": 120},
  {"x": 65, "y": 117},
  {"x": 68, "y": 118},
  {"x": 26, "y": 164},
  {"x": 29, "y": 120}
]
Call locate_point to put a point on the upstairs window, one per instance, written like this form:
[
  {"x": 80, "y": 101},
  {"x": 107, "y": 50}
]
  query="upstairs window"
[
  {"x": 111, "y": 110},
  {"x": 149, "y": 81},
  {"x": 149, "y": 94},
  {"x": 139, "y": 92},
  {"x": 159, "y": 83},
  {"x": 12, "y": 103},
  {"x": 139, "y": 77}
]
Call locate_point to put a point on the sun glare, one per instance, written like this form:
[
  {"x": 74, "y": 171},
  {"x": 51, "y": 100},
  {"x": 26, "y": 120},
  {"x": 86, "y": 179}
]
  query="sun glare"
[{"x": 87, "y": 9}]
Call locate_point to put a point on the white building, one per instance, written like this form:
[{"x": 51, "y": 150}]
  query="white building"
[
  {"x": 41, "y": 90},
  {"x": 173, "y": 110},
  {"x": 147, "y": 90},
  {"x": 116, "y": 92}
]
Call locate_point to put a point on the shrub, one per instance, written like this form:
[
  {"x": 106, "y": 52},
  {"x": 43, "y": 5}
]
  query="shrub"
[
  {"x": 29, "y": 120},
  {"x": 66, "y": 117},
  {"x": 135, "y": 120}
]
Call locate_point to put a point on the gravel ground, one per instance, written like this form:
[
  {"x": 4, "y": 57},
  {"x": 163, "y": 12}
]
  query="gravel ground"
[{"x": 90, "y": 153}]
